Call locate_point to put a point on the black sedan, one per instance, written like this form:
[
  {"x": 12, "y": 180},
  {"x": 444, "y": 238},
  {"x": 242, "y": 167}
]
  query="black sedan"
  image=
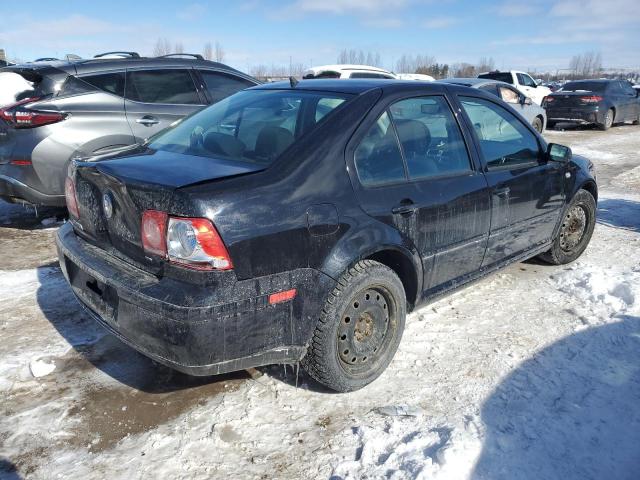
[
  {"x": 600, "y": 102},
  {"x": 302, "y": 221}
]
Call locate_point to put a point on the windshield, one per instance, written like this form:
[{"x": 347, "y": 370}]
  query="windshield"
[
  {"x": 584, "y": 87},
  {"x": 501, "y": 76},
  {"x": 251, "y": 126}
]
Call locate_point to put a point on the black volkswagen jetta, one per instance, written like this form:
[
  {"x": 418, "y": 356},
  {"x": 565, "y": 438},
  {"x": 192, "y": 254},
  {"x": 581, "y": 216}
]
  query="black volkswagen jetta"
[{"x": 301, "y": 222}]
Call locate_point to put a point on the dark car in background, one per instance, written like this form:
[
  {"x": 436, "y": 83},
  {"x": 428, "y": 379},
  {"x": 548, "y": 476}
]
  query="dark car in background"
[
  {"x": 599, "y": 102},
  {"x": 311, "y": 218},
  {"x": 84, "y": 108}
]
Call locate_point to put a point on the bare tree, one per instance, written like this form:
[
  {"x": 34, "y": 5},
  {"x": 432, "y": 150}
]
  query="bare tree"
[
  {"x": 359, "y": 57},
  {"x": 219, "y": 54},
  {"x": 207, "y": 52},
  {"x": 162, "y": 47},
  {"x": 486, "y": 65},
  {"x": 586, "y": 65},
  {"x": 464, "y": 70},
  {"x": 179, "y": 48}
]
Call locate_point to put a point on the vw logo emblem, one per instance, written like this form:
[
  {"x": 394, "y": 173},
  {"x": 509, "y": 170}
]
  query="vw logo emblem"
[{"x": 107, "y": 205}]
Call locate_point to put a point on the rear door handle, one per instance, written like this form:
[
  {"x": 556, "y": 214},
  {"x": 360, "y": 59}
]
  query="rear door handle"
[
  {"x": 148, "y": 120},
  {"x": 406, "y": 207},
  {"x": 502, "y": 192}
]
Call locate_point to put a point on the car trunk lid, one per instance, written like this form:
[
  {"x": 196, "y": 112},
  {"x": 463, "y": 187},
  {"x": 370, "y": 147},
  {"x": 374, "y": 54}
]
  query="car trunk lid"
[
  {"x": 572, "y": 99},
  {"x": 131, "y": 185}
]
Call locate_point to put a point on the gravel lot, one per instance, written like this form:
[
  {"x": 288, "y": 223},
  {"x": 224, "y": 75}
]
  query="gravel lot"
[{"x": 532, "y": 373}]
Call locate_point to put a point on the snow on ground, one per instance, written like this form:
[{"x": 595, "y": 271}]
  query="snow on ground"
[{"x": 532, "y": 373}]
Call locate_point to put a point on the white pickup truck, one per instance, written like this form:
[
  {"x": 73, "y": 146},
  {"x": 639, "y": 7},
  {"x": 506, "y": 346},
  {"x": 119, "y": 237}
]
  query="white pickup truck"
[{"x": 522, "y": 81}]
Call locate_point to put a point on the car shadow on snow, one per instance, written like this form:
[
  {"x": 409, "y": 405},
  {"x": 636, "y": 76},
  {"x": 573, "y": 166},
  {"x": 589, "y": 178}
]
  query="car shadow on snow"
[
  {"x": 619, "y": 213},
  {"x": 98, "y": 348},
  {"x": 24, "y": 217},
  {"x": 571, "y": 412},
  {"x": 8, "y": 470}
]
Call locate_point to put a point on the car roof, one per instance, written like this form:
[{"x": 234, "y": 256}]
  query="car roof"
[
  {"x": 352, "y": 86},
  {"x": 474, "y": 82},
  {"x": 596, "y": 80}
]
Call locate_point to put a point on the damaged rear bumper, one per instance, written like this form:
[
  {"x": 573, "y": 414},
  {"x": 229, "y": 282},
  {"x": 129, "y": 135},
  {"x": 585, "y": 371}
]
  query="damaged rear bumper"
[{"x": 197, "y": 329}]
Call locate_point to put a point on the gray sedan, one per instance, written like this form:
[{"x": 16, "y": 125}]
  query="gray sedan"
[{"x": 534, "y": 113}]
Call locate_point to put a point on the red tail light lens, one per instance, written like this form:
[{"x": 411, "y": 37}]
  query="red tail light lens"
[
  {"x": 70, "y": 197},
  {"x": 20, "y": 117},
  {"x": 195, "y": 243},
  {"x": 591, "y": 99},
  {"x": 154, "y": 232}
]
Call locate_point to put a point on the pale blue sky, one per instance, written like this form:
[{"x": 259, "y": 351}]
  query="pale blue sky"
[{"x": 534, "y": 34}]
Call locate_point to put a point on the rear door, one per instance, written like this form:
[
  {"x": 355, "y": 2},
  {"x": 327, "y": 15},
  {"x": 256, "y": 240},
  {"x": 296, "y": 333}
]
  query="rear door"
[
  {"x": 527, "y": 192},
  {"x": 629, "y": 99},
  {"x": 218, "y": 85},
  {"x": 157, "y": 97},
  {"x": 412, "y": 170}
]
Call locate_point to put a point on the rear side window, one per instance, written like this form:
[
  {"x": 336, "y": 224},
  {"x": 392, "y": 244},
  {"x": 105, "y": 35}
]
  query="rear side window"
[
  {"x": 431, "y": 139},
  {"x": 74, "y": 86},
  {"x": 501, "y": 76},
  {"x": 107, "y": 82},
  {"x": 221, "y": 85},
  {"x": 504, "y": 140},
  {"x": 162, "y": 86},
  {"x": 378, "y": 159},
  {"x": 369, "y": 75},
  {"x": 325, "y": 74}
]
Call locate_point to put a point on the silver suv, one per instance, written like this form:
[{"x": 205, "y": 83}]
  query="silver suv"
[{"x": 93, "y": 107}]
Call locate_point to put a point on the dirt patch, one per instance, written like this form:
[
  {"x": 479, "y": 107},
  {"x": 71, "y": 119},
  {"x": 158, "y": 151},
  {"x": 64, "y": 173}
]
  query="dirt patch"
[{"x": 21, "y": 249}]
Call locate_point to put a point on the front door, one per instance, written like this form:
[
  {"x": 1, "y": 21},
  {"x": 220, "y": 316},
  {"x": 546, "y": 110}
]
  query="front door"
[
  {"x": 527, "y": 191},
  {"x": 155, "y": 98},
  {"x": 414, "y": 171}
]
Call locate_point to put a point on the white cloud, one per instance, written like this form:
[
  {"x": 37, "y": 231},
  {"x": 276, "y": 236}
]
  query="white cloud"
[
  {"x": 440, "y": 22},
  {"x": 341, "y": 7},
  {"x": 516, "y": 9},
  {"x": 383, "y": 23},
  {"x": 597, "y": 14}
]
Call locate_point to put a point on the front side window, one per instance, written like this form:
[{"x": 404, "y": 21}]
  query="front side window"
[
  {"x": 378, "y": 159},
  {"x": 504, "y": 140},
  {"x": 250, "y": 126},
  {"x": 526, "y": 80},
  {"x": 430, "y": 137},
  {"x": 162, "y": 86},
  {"x": 221, "y": 85},
  {"x": 508, "y": 95}
]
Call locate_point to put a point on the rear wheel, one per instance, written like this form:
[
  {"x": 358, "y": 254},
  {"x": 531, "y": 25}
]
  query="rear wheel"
[
  {"x": 608, "y": 120},
  {"x": 537, "y": 124},
  {"x": 575, "y": 231},
  {"x": 359, "y": 329},
  {"x": 637, "y": 120}
]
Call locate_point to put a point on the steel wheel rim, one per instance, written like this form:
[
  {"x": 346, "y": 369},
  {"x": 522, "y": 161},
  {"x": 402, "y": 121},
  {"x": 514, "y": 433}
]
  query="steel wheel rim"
[
  {"x": 608, "y": 119},
  {"x": 367, "y": 328},
  {"x": 574, "y": 226}
]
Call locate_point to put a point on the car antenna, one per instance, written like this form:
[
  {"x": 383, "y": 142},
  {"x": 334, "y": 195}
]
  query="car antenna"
[{"x": 293, "y": 81}]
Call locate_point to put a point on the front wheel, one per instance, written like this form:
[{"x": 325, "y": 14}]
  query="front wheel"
[
  {"x": 359, "y": 328},
  {"x": 575, "y": 231},
  {"x": 537, "y": 124}
]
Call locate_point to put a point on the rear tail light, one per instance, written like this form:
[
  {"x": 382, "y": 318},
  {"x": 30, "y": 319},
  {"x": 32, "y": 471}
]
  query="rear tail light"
[
  {"x": 19, "y": 117},
  {"x": 20, "y": 162},
  {"x": 190, "y": 242},
  {"x": 591, "y": 99},
  {"x": 71, "y": 198},
  {"x": 154, "y": 232}
]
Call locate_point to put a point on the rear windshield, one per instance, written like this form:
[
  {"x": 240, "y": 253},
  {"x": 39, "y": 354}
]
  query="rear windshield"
[
  {"x": 251, "y": 126},
  {"x": 501, "y": 76},
  {"x": 584, "y": 87}
]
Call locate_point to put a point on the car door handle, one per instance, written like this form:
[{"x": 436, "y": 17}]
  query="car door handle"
[
  {"x": 406, "y": 207},
  {"x": 502, "y": 192},
  {"x": 148, "y": 120}
]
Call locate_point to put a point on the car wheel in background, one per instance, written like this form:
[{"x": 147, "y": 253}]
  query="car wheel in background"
[
  {"x": 537, "y": 124},
  {"x": 359, "y": 328},
  {"x": 608, "y": 120},
  {"x": 550, "y": 125},
  {"x": 637, "y": 120},
  {"x": 575, "y": 231}
]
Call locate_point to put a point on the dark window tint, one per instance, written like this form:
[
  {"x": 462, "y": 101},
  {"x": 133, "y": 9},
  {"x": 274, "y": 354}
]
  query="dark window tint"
[
  {"x": 369, "y": 75},
  {"x": 221, "y": 85},
  {"x": 326, "y": 74},
  {"x": 162, "y": 86},
  {"x": 74, "y": 86},
  {"x": 431, "y": 140},
  {"x": 584, "y": 87},
  {"x": 378, "y": 159},
  {"x": 108, "y": 82},
  {"x": 501, "y": 76},
  {"x": 504, "y": 140}
]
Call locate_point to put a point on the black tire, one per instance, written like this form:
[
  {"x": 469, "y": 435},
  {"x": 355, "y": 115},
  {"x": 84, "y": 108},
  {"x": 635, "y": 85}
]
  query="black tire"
[
  {"x": 537, "y": 124},
  {"x": 608, "y": 120},
  {"x": 637, "y": 120},
  {"x": 551, "y": 125},
  {"x": 575, "y": 231},
  {"x": 346, "y": 353}
]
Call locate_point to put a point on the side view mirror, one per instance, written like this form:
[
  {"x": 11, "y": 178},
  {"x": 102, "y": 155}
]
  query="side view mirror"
[
  {"x": 558, "y": 153},
  {"x": 527, "y": 101}
]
